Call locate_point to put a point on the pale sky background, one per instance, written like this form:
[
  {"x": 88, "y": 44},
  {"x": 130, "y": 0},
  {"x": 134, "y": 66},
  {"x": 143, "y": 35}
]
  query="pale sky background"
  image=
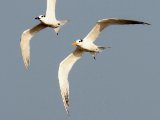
[{"x": 122, "y": 84}]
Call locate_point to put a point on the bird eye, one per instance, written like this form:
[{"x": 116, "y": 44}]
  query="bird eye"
[
  {"x": 59, "y": 24},
  {"x": 81, "y": 40}
]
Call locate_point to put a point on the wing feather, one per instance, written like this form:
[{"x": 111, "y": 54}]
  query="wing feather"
[
  {"x": 64, "y": 69},
  {"x": 101, "y": 24},
  {"x": 25, "y": 42},
  {"x": 50, "y": 11}
]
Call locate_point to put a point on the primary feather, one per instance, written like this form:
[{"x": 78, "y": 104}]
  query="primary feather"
[
  {"x": 64, "y": 69},
  {"x": 104, "y": 23},
  {"x": 25, "y": 42},
  {"x": 50, "y": 11}
]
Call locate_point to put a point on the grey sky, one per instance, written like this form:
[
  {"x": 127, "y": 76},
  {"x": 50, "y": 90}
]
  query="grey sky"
[{"x": 123, "y": 82}]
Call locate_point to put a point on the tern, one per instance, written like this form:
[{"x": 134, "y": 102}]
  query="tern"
[
  {"x": 48, "y": 20},
  {"x": 85, "y": 45}
]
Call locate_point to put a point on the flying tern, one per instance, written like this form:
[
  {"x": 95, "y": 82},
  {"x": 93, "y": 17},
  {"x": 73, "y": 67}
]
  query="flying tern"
[
  {"x": 48, "y": 20},
  {"x": 85, "y": 45}
]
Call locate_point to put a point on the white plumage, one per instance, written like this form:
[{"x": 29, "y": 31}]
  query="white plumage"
[
  {"x": 48, "y": 20},
  {"x": 85, "y": 45}
]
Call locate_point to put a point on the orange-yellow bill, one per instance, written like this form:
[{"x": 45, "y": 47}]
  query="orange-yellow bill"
[{"x": 74, "y": 43}]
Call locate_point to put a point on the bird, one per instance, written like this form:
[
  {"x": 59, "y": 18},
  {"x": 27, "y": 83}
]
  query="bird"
[
  {"x": 47, "y": 20},
  {"x": 82, "y": 46}
]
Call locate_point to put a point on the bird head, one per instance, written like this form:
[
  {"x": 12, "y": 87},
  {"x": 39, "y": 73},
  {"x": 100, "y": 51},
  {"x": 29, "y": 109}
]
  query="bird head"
[
  {"x": 40, "y": 17},
  {"x": 77, "y": 42}
]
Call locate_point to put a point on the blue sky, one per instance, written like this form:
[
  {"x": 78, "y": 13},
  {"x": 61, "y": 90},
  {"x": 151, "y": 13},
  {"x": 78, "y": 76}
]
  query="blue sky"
[{"x": 123, "y": 82}]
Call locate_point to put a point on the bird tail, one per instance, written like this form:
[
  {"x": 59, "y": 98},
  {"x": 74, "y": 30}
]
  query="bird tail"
[
  {"x": 63, "y": 22},
  {"x": 101, "y": 48}
]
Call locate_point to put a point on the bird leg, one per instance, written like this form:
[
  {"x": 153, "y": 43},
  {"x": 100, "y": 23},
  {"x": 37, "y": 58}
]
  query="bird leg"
[
  {"x": 94, "y": 55},
  {"x": 57, "y": 30}
]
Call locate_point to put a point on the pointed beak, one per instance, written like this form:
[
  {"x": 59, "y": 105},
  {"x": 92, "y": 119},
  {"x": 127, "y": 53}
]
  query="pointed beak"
[
  {"x": 37, "y": 18},
  {"x": 74, "y": 43}
]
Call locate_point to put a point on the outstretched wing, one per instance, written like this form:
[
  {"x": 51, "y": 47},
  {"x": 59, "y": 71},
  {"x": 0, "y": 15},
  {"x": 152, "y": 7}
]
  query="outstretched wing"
[
  {"x": 101, "y": 24},
  {"x": 64, "y": 69},
  {"x": 50, "y": 11},
  {"x": 25, "y": 42}
]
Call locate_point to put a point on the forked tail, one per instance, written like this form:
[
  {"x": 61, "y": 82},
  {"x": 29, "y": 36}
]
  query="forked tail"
[
  {"x": 62, "y": 22},
  {"x": 101, "y": 48}
]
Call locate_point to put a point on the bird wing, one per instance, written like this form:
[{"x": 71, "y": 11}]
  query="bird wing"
[
  {"x": 51, "y": 9},
  {"x": 101, "y": 24},
  {"x": 25, "y": 42},
  {"x": 64, "y": 69}
]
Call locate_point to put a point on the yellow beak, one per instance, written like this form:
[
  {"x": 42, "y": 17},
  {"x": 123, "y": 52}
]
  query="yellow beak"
[{"x": 74, "y": 43}]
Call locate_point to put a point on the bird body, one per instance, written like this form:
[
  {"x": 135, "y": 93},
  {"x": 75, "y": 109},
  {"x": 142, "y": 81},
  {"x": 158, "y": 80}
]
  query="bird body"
[
  {"x": 48, "y": 20},
  {"x": 85, "y": 45}
]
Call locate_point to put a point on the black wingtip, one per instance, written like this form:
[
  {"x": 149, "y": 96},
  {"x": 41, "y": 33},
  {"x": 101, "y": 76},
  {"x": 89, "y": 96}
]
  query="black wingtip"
[
  {"x": 144, "y": 23},
  {"x": 135, "y": 22},
  {"x": 147, "y": 23}
]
